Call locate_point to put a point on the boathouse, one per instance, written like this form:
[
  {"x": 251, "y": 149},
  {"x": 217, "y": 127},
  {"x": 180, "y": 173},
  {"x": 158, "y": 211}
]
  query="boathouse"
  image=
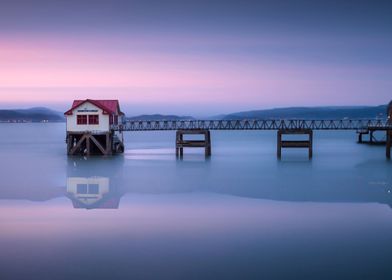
[{"x": 90, "y": 127}]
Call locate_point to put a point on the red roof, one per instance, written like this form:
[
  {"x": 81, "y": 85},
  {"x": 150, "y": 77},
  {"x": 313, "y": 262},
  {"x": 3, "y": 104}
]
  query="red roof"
[{"x": 108, "y": 106}]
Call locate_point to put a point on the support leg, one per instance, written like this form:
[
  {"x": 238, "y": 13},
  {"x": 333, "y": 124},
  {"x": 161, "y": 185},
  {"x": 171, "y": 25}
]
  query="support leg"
[
  {"x": 360, "y": 140},
  {"x": 311, "y": 144},
  {"x": 88, "y": 145},
  {"x": 108, "y": 150},
  {"x": 181, "y": 148},
  {"x": 279, "y": 144},
  {"x": 388, "y": 145},
  {"x": 77, "y": 145},
  {"x": 208, "y": 143},
  {"x": 69, "y": 143},
  {"x": 178, "y": 141}
]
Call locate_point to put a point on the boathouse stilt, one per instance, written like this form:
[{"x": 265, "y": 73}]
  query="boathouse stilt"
[
  {"x": 89, "y": 144},
  {"x": 389, "y": 143},
  {"x": 307, "y": 143},
  {"x": 181, "y": 143}
]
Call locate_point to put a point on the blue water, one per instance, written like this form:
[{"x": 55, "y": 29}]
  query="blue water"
[{"x": 241, "y": 214}]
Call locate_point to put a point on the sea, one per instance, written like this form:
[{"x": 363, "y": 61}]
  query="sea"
[{"x": 239, "y": 214}]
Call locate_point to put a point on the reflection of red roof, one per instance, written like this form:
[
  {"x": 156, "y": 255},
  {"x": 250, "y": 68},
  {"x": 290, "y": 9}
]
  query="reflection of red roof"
[{"x": 108, "y": 106}]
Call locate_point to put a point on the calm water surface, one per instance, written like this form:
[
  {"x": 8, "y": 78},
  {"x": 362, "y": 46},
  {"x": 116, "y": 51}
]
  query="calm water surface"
[{"x": 241, "y": 214}]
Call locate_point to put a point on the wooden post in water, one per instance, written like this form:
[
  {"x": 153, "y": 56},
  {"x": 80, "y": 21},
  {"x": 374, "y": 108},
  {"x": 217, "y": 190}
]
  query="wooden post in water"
[
  {"x": 389, "y": 143},
  {"x": 279, "y": 143},
  {"x": 310, "y": 133},
  {"x": 179, "y": 148},
  {"x": 360, "y": 140},
  {"x": 308, "y": 143},
  {"x": 207, "y": 137},
  {"x": 181, "y": 143},
  {"x": 88, "y": 144},
  {"x": 70, "y": 141},
  {"x": 108, "y": 143}
]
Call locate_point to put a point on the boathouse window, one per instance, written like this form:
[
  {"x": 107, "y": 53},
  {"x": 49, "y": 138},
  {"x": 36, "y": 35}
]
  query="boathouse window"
[
  {"x": 93, "y": 189},
  {"x": 81, "y": 188},
  {"x": 93, "y": 119},
  {"x": 81, "y": 119}
]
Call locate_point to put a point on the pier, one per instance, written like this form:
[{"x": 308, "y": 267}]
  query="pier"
[
  {"x": 283, "y": 127},
  {"x": 88, "y": 120}
]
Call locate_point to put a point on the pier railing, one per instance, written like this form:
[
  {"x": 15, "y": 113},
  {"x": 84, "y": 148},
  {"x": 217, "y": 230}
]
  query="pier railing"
[{"x": 268, "y": 124}]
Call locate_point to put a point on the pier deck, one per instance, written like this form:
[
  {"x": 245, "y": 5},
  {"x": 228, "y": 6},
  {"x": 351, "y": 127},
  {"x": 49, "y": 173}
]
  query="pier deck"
[
  {"x": 289, "y": 126},
  {"x": 269, "y": 124}
]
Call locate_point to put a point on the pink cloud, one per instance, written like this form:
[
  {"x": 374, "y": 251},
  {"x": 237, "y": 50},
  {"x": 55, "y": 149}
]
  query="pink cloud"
[{"x": 136, "y": 73}]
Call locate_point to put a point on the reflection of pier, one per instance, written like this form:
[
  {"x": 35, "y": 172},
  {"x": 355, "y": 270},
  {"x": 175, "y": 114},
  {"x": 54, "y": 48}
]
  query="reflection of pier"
[
  {"x": 101, "y": 184},
  {"x": 117, "y": 180}
]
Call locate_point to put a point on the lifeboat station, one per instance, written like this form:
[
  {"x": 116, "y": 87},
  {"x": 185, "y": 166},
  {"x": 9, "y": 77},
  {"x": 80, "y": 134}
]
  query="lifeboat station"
[{"x": 89, "y": 127}]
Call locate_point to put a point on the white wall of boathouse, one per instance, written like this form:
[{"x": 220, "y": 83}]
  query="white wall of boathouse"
[{"x": 88, "y": 108}]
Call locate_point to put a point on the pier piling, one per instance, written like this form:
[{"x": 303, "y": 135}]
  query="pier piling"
[
  {"x": 389, "y": 143},
  {"x": 308, "y": 143},
  {"x": 181, "y": 143}
]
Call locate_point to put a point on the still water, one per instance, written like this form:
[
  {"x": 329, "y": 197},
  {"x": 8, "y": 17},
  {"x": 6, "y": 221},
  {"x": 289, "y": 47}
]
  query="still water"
[{"x": 241, "y": 214}]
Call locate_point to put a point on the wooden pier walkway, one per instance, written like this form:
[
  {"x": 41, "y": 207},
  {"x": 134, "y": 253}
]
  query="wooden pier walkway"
[
  {"x": 283, "y": 127},
  {"x": 96, "y": 127},
  {"x": 268, "y": 124}
]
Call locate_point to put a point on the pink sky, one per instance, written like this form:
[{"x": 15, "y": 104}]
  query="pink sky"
[{"x": 159, "y": 74}]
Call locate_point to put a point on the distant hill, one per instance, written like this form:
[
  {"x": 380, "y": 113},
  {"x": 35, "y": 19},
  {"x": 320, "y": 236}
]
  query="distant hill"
[
  {"x": 157, "y": 117},
  {"x": 355, "y": 112},
  {"x": 37, "y": 114}
]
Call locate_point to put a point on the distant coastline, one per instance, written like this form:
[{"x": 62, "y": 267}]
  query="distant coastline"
[
  {"x": 315, "y": 113},
  {"x": 46, "y": 115},
  {"x": 32, "y": 115}
]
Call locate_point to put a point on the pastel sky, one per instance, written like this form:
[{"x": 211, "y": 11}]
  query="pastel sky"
[{"x": 195, "y": 57}]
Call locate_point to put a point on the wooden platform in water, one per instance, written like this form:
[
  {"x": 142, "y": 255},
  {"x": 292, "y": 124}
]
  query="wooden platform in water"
[
  {"x": 308, "y": 143},
  {"x": 181, "y": 143}
]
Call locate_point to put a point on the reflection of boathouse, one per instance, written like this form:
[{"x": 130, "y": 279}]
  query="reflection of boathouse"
[
  {"x": 94, "y": 183},
  {"x": 89, "y": 127},
  {"x": 93, "y": 192}
]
